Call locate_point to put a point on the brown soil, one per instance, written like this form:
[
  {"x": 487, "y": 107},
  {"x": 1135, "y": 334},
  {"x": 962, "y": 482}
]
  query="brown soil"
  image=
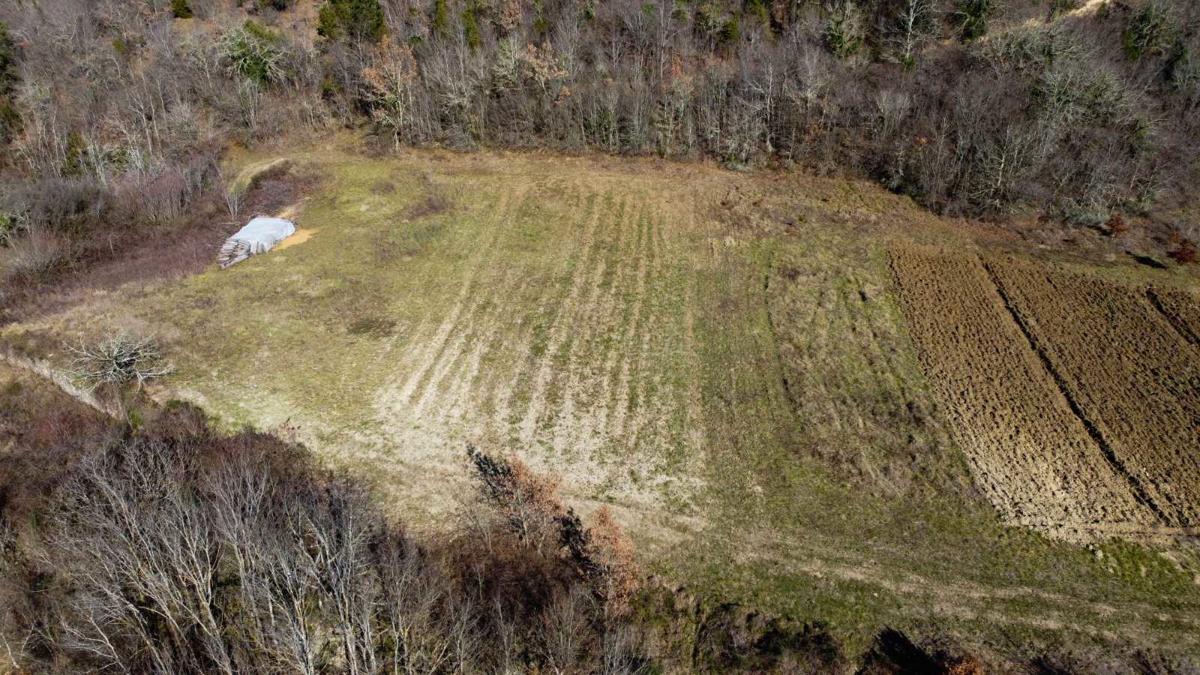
[
  {"x": 302, "y": 235},
  {"x": 1181, "y": 309},
  {"x": 1130, "y": 375},
  {"x": 1030, "y": 451}
]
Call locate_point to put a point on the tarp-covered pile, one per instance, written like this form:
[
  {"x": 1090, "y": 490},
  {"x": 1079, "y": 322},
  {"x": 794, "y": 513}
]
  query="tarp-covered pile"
[{"x": 258, "y": 236}]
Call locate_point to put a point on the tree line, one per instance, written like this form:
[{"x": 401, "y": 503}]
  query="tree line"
[{"x": 971, "y": 106}]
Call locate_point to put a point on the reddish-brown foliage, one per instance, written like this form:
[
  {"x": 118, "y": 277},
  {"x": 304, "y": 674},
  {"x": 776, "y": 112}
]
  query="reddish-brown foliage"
[
  {"x": 1185, "y": 253},
  {"x": 1117, "y": 225}
]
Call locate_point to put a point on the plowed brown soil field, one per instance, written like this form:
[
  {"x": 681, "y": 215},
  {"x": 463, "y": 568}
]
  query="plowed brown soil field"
[
  {"x": 1029, "y": 452},
  {"x": 1132, "y": 378},
  {"x": 1076, "y": 399},
  {"x": 1180, "y": 308}
]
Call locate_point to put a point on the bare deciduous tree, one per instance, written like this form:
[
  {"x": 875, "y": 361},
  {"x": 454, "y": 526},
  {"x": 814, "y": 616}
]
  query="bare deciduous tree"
[{"x": 118, "y": 365}]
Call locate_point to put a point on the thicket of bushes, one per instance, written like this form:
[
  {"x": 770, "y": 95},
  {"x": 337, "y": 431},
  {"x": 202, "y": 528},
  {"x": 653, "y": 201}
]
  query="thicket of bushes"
[
  {"x": 159, "y": 545},
  {"x": 166, "y": 547},
  {"x": 963, "y": 104}
]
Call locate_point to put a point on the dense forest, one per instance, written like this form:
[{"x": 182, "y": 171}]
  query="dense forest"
[{"x": 112, "y": 112}]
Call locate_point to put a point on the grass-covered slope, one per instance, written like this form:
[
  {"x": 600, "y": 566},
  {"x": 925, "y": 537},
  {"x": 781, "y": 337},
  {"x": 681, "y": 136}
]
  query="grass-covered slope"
[{"x": 718, "y": 356}]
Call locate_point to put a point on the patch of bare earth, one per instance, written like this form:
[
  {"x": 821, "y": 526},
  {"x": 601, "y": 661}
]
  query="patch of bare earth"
[
  {"x": 1073, "y": 397},
  {"x": 1131, "y": 376}
]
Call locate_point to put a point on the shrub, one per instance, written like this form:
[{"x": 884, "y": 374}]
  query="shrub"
[
  {"x": 75, "y": 160},
  {"x": 252, "y": 52},
  {"x": 731, "y": 32},
  {"x": 527, "y": 503},
  {"x": 1060, "y": 7},
  {"x": 10, "y": 121},
  {"x": 356, "y": 20},
  {"x": 1116, "y": 225},
  {"x": 603, "y": 554},
  {"x": 756, "y": 9},
  {"x": 118, "y": 361},
  {"x": 1148, "y": 31},
  {"x": 844, "y": 31},
  {"x": 8, "y": 61},
  {"x": 11, "y": 226},
  {"x": 528, "y": 506},
  {"x": 470, "y": 27},
  {"x": 1185, "y": 252},
  {"x": 68, "y": 207},
  {"x": 31, "y": 258},
  {"x": 181, "y": 9},
  {"x": 972, "y": 17},
  {"x": 441, "y": 19}
]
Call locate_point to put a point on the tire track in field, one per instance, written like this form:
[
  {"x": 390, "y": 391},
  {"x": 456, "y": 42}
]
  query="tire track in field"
[
  {"x": 585, "y": 414},
  {"x": 630, "y": 381},
  {"x": 824, "y": 305},
  {"x": 453, "y": 357},
  {"x": 431, "y": 352},
  {"x": 498, "y": 387},
  {"x": 1159, "y": 303},
  {"x": 487, "y": 318},
  {"x": 621, "y": 362},
  {"x": 575, "y": 323},
  {"x": 429, "y": 347},
  {"x": 614, "y": 371},
  {"x": 463, "y": 375},
  {"x": 469, "y": 326},
  {"x": 582, "y": 417},
  {"x": 652, "y": 418},
  {"x": 486, "y": 331},
  {"x": 694, "y": 389},
  {"x": 969, "y": 600},
  {"x": 528, "y": 363},
  {"x": 1139, "y": 491},
  {"x": 488, "y": 334},
  {"x": 586, "y": 276}
]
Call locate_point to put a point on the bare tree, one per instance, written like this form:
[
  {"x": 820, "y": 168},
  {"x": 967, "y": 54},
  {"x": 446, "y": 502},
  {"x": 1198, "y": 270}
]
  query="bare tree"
[
  {"x": 913, "y": 26},
  {"x": 564, "y": 629},
  {"x": 233, "y": 193},
  {"x": 117, "y": 363}
]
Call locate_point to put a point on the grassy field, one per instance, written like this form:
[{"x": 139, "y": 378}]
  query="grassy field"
[{"x": 720, "y": 357}]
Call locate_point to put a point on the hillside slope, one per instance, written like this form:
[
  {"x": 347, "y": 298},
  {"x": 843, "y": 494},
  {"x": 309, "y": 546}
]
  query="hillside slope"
[{"x": 719, "y": 357}]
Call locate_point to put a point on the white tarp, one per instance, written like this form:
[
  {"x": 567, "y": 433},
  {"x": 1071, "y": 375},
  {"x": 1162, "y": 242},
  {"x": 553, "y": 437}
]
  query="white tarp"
[{"x": 258, "y": 236}]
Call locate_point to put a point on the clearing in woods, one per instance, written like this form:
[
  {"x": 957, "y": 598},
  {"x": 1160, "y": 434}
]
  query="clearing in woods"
[{"x": 720, "y": 357}]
